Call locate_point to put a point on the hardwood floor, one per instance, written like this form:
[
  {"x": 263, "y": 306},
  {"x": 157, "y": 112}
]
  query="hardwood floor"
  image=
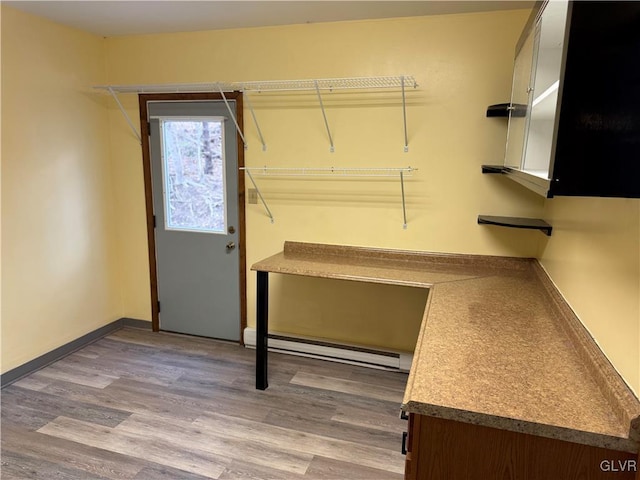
[{"x": 143, "y": 405}]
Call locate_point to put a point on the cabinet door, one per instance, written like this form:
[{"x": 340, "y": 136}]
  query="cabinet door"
[
  {"x": 597, "y": 152},
  {"x": 549, "y": 45},
  {"x": 520, "y": 92}
]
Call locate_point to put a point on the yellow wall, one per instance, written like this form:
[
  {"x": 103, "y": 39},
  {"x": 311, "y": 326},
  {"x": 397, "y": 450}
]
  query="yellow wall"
[
  {"x": 462, "y": 63},
  {"x": 593, "y": 257},
  {"x": 59, "y": 262},
  {"x": 129, "y": 203}
]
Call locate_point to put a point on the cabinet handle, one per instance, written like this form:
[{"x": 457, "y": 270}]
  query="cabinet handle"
[{"x": 404, "y": 443}]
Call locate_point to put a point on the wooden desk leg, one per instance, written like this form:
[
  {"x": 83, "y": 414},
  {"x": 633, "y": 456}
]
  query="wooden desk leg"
[{"x": 262, "y": 329}]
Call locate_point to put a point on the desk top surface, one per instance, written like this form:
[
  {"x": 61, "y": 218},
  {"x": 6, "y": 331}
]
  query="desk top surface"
[
  {"x": 498, "y": 346},
  {"x": 394, "y": 267}
]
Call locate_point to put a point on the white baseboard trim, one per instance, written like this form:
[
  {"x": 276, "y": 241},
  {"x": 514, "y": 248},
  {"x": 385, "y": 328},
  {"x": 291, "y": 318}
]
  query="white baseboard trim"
[{"x": 332, "y": 351}]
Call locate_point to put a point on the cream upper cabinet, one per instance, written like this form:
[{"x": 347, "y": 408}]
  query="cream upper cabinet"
[
  {"x": 536, "y": 80},
  {"x": 522, "y": 75},
  {"x": 543, "y": 97}
]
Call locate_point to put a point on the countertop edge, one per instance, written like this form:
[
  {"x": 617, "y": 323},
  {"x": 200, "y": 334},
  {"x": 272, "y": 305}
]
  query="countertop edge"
[
  {"x": 353, "y": 278},
  {"x": 523, "y": 426},
  {"x": 609, "y": 381},
  {"x": 416, "y": 352},
  {"x": 409, "y": 256}
]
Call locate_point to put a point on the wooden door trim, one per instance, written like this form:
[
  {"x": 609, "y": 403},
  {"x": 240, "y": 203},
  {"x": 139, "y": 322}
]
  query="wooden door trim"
[{"x": 143, "y": 100}]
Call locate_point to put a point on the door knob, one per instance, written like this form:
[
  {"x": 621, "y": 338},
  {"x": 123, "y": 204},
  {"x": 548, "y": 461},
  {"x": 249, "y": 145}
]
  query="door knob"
[{"x": 231, "y": 246}]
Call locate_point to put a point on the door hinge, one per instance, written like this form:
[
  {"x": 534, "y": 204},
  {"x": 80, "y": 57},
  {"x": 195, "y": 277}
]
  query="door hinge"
[
  {"x": 154, "y": 221},
  {"x": 149, "y": 128},
  {"x": 158, "y": 306}
]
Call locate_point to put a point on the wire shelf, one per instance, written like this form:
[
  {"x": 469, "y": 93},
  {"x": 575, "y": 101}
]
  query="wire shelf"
[
  {"x": 401, "y": 82},
  {"x": 328, "y": 172},
  {"x": 372, "y": 172},
  {"x": 270, "y": 85},
  {"x": 171, "y": 88},
  {"x": 328, "y": 84}
]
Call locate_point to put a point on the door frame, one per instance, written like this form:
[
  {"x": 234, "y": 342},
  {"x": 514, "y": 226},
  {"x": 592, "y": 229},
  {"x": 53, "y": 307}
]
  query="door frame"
[{"x": 143, "y": 100}]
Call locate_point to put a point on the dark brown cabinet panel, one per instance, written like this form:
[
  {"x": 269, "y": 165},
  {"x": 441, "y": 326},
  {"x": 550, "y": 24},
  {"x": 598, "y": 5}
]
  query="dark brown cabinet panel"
[
  {"x": 598, "y": 140},
  {"x": 441, "y": 449}
]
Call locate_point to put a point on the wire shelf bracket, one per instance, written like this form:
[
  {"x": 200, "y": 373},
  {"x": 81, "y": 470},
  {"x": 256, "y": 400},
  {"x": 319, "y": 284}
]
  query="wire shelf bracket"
[
  {"x": 404, "y": 207},
  {"x": 404, "y": 117},
  {"x": 264, "y": 203},
  {"x": 324, "y": 115},
  {"x": 255, "y": 122},
  {"x": 400, "y": 173},
  {"x": 233, "y": 117},
  {"x": 126, "y": 115}
]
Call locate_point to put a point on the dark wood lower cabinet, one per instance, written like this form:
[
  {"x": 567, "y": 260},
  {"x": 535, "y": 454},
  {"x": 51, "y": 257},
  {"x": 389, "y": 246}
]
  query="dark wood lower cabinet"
[{"x": 440, "y": 449}]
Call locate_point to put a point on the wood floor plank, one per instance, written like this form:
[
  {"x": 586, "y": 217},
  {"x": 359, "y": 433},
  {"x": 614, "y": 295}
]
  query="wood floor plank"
[
  {"x": 146, "y": 370},
  {"x": 33, "y": 383},
  {"x": 168, "y": 342},
  {"x": 109, "y": 345},
  {"x": 244, "y": 470},
  {"x": 137, "y": 446},
  {"x": 348, "y": 386},
  {"x": 162, "y": 472},
  {"x": 17, "y": 465},
  {"x": 88, "y": 354},
  {"x": 28, "y": 419},
  {"x": 191, "y": 436},
  {"x": 95, "y": 350},
  {"x": 60, "y": 371},
  {"x": 312, "y": 396},
  {"x": 53, "y": 404},
  {"x": 303, "y": 442},
  {"x": 394, "y": 380},
  {"x": 389, "y": 378},
  {"x": 100, "y": 463},
  {"x": 225, "y": 400},
  {"x": 370, "y": 420},
  {"x": 191, "y": 402},
  {"x": 333, "y": 369},
  {"x": 323, "y": 468},
  {"x": 123, "y": 398},
  {"x": 307, "y": 422},
  {"x": 202, "y": 363},
  {"x": 218, "y": 372},
  {"x": 246, "y": 401}
]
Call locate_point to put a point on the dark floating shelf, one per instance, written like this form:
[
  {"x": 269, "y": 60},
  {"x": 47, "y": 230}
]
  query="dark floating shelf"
[
  {"x": 516, "y": 222},
  {"x": 494, "y": 169},
  {"x": 503, "y": 109}
]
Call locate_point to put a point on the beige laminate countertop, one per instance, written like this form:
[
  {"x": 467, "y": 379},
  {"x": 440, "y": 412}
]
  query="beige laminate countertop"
[{"x": 498, "y": 345}]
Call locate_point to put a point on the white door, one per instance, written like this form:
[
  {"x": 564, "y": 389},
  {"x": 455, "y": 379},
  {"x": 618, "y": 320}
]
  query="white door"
[{"x": 194, "y": 165}]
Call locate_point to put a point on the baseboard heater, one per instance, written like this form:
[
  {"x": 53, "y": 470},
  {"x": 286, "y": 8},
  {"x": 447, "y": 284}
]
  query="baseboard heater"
[{"x": 332, "y": 351}]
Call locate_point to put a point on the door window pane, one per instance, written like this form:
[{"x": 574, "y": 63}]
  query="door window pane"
[{"x": 193, "y": 171}]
